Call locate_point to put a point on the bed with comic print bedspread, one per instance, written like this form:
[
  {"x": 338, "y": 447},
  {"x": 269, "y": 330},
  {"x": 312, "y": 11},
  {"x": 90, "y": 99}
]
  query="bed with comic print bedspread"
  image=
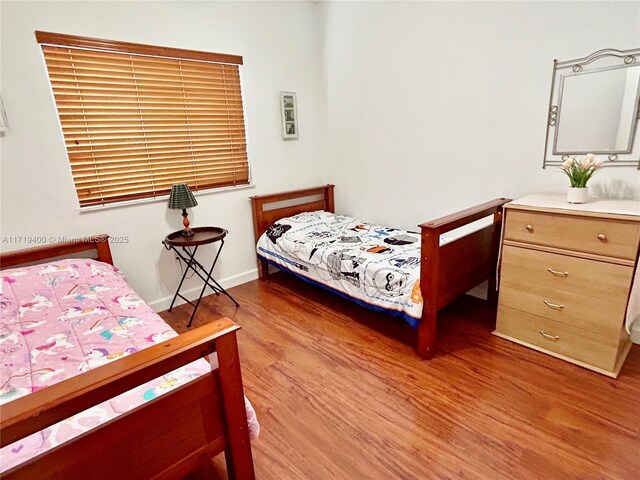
[
  {"x": 63, "y": 318},
  {"x": 375, "y": 266}
]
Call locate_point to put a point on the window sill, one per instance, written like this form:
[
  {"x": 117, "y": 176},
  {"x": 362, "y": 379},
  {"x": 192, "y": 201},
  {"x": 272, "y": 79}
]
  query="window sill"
[{"x": 163, "y": 198}]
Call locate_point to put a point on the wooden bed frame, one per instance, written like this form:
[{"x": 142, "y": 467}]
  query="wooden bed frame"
[
  {"x": 446, "y": 272},
  {"x": 171, "y": 436}
]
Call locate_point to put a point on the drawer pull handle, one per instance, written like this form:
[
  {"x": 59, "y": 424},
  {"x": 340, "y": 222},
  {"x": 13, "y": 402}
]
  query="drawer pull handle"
[
  {"x": 553, "y": 338},
  {"x": 558, "y": 273},
  {"x": 602, "y": 237},
  {"x": 530, "y": 228},
  {"x": 554, "y": 306}
]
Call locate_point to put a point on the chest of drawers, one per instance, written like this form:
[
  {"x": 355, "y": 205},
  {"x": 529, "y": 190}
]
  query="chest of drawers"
[{"x": 566, "y": 276}]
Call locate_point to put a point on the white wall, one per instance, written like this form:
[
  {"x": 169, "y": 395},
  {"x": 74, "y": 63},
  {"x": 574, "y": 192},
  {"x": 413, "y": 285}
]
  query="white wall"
[
  {"x": 435, "y": 106},
  {"x": 281, "y": 46}
]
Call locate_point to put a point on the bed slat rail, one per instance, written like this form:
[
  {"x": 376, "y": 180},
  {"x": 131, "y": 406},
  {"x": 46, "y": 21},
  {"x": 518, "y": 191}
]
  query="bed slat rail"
[
  {"x": 463, "y": 217},
  {"x": 291, "y": 194},
  {"x": 58, "y": 402}
]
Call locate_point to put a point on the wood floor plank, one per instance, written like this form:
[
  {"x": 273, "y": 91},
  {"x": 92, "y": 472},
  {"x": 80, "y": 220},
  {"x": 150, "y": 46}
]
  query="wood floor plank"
[{"x": 340, "y": 393}]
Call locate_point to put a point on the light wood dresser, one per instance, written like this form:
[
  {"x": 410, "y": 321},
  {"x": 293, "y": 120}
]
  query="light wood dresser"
[{"x": 566, "y": 276}]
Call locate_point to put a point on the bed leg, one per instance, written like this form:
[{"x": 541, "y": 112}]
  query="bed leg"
[
  {"x": 238, "y": 452},
  {"x": 263, "y": 270},
  {"x": 429, "y": 278},
  {"x": 427, "y": 333}
]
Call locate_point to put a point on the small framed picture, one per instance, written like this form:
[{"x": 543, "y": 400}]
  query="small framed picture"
[{"x": 289, "y": 110}]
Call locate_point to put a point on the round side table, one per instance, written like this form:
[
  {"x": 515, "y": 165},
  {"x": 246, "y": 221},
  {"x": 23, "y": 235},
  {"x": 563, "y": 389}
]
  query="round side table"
[{"x": 180, "y": 244}]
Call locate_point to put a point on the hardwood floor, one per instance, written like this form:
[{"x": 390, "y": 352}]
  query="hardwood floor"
[{"x": 340, "y": 393}]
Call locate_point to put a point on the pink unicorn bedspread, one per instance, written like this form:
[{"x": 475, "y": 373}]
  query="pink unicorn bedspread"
[{"x": 63, "y": 318}]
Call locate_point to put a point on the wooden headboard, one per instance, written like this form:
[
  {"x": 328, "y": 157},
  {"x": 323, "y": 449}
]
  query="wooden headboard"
[
  {"x": 297, "y": 201},
  {"x": 98, "y": 243}
]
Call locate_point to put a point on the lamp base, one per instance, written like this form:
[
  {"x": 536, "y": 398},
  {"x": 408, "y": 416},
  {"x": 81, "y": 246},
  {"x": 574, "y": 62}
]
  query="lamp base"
[{"x": 187, "y": 232}]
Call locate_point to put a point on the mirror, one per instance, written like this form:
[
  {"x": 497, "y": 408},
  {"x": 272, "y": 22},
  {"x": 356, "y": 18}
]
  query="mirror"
[
  {"x": 613, "y": 94},
  {"x": 594, "y": 108}
]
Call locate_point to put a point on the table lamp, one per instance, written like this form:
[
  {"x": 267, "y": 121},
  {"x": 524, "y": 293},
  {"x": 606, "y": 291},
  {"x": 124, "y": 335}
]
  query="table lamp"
[{"x": 181, "y": 197}]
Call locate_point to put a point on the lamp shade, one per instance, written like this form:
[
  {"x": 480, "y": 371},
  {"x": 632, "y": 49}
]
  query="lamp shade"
[{"x": 181, "y": 197}]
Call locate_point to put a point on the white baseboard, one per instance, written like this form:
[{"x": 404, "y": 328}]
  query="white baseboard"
[{"x": 192, "y": 294}]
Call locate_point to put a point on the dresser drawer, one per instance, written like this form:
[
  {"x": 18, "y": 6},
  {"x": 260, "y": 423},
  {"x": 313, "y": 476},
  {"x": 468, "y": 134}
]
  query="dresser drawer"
[
  {"x": 611, "y": 238},
  {"x": 574, "y": 343},
  {"x": 586, "y": 294}
]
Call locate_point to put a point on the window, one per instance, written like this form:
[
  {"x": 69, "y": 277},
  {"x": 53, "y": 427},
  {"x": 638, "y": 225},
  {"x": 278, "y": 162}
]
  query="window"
[{"x": 137, "y": 118}]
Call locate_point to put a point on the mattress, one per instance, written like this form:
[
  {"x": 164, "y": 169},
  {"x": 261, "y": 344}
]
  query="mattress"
[
  {"x": 376, "y": 266},
  {"x": 63, "y": 318}
]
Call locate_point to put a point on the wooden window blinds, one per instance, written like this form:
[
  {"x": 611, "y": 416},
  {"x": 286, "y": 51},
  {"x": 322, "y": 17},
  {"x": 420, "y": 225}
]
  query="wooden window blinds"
[{"x": 137, "y": 118}]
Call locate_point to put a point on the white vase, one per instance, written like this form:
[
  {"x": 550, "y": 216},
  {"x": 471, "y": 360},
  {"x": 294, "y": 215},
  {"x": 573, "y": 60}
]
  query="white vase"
[{"x": 578, "y": 195}]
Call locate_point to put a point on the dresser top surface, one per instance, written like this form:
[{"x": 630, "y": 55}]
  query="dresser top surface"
[{"x": 557, "y": 202}]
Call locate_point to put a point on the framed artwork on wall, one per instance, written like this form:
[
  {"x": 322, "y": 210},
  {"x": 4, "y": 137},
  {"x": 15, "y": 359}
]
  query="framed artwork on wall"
[{"x": 288, "y": 106}]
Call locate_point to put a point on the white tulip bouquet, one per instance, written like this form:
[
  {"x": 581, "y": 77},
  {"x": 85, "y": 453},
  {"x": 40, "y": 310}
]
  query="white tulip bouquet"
[{"x": 580, "y": 171}]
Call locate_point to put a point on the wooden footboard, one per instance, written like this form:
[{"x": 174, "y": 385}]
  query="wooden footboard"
[
  {"x": 448, "y": 271},
  {"x": 167, "y": 437}
]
